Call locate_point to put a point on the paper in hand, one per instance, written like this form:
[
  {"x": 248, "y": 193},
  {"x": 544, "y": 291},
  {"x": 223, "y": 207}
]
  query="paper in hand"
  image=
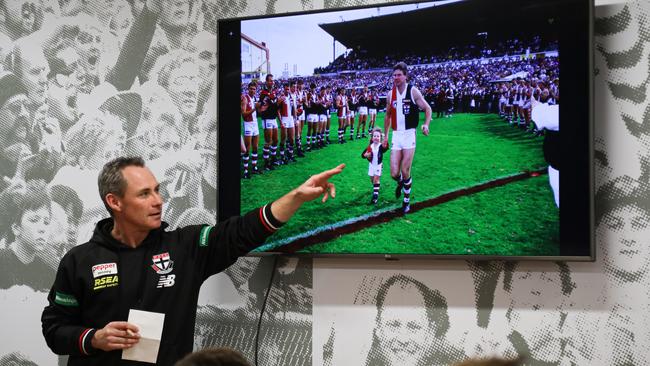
[{"x": 151, "y": 327}]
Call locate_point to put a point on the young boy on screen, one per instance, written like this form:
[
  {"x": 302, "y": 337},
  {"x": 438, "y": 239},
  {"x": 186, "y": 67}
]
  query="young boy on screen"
[{"x": 374, "y": 153}]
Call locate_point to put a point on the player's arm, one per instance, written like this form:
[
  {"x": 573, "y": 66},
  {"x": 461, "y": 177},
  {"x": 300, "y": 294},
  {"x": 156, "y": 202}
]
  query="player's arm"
[
  {"x": 365, "y": 154},
  {"x": 419, "y": 100},
  {"x": 263, "y": 104},
  {"x": 244, "y": 107},
  {"x": 387, "y": 122}
]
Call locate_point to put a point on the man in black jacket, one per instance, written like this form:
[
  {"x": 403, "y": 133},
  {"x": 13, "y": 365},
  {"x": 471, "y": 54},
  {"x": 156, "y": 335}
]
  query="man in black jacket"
[{"x": 131, "y": 262}]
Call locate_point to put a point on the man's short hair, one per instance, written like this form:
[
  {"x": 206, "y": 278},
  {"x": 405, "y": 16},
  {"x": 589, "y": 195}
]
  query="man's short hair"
[
  {"x": 166, "y": 64},
  {"x": 268, "y": 76},
  {"x": 253, "y": 84},
  {"x": 402, "y": 67},
  {"x": 111, "y": 179}
]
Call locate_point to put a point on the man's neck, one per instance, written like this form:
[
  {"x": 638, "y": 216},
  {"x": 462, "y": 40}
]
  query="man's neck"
[
  {"x": 400, "y": 88},
  {"x": 129, "y": 236}
]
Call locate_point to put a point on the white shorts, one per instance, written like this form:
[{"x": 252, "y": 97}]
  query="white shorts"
[
  {"x": 312, "y": 118},
  {"x": 363, "y": 111},
  {"x": 404, "y": 139},
  {"x": 251, "y": 129},
  {"x": 301, "y": 116},
  {"x": 270, "y": 123},
  {"x": 287, "y": 122},
  {"x": 516, "y": 102},
  {"x": 322, "y": 118},
  {"x": 351, "y": 114},
  {"x": 526, "y": 105},
  {"x": 372, "y": 111},
  {"x": 374, "y": 169}
]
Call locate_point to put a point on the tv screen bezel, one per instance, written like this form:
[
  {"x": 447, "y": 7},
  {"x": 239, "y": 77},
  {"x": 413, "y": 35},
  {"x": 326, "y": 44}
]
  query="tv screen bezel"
[{"x": 577, "y": 180}]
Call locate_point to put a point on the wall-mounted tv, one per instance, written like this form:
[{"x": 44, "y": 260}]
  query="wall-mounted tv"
[{"x": 300, "y": 93}]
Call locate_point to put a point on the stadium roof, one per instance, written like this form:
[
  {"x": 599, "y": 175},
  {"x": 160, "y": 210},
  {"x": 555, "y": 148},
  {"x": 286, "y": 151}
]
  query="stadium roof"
[{"x": 442, "y": 25}]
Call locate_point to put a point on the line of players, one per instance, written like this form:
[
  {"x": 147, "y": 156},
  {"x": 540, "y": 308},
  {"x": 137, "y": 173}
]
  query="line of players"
[
  {"x": 516, "y": 98},
  {"x": 292, "y": 106}
]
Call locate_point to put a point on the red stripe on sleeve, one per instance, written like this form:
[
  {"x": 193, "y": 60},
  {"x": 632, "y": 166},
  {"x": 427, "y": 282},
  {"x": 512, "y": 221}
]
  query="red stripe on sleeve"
[
  {"x": 81, "y": 340},
  {"x": 263, "y": 220}
]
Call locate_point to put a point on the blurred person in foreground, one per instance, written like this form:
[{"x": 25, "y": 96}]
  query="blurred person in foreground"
[{"x": 221, "y": 356}]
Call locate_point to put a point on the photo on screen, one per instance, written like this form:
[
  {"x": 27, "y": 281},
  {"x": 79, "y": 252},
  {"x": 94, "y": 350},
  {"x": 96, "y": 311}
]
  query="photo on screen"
[{"x": 480, "y": 179}]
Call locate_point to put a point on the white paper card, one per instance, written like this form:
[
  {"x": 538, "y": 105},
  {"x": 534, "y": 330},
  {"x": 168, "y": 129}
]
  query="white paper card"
[{"x": 151, "y": 327}]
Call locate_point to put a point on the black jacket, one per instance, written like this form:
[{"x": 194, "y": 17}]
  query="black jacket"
[{"x": 99, "y": 281}]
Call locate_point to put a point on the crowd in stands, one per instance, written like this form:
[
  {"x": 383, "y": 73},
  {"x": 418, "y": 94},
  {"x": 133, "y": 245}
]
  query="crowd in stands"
[
  {"x": 82, "y": 82},
  {"x": 359, "y": 60}
]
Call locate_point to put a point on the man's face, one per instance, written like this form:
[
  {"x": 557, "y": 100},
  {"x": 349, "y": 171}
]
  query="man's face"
[
  {"x": 34, "y": 70},
  {"x": 88, "y": 44},
  {"x": 184, "y": 88},
  {"x": 404, "y": 332},
  {"x": 269, "y": 81},
  {"x": 33, "y": 230},
  {"x": 251, "y": 90},
  {"x": 14, "y": 120},
  {"x": 175, "y": 13},
  {"x": 141, "y": 204},
  {"x": 20, "y": 15},
  {"x": 65, "y": 225},
  {"x": 168, "y": 140},
  {"x": 399, "y": 78},
  {"x": 207, "y": 60},
  {"x": 624, "y": 236},
  {"x": 62, "y": 90}
]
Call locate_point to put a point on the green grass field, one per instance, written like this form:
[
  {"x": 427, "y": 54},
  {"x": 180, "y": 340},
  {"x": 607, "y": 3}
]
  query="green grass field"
[{"x": 519, "y": 218}]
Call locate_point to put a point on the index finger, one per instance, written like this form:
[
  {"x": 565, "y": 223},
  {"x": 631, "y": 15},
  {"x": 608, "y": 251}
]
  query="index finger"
[{"x": 329, "y": 173}]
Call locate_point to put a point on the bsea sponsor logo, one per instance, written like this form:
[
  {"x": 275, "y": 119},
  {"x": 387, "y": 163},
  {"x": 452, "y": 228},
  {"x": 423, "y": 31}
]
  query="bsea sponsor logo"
[{"x": 106, "y": 282}]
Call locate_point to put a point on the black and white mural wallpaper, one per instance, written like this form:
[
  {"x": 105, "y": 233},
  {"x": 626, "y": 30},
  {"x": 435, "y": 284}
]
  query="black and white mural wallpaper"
[{"x": 83, "y": 81}]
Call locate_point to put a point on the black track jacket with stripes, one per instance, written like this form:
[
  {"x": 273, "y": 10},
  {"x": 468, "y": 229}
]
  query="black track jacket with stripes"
[{"x": 99, "y": 281}]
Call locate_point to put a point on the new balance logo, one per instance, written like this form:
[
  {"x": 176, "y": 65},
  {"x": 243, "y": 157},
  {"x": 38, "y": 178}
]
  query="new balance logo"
[{"x": 166, "y": 281}]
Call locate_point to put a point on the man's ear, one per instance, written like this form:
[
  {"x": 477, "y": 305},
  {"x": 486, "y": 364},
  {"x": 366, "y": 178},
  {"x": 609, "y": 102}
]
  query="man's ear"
[{"x": 114, "y": 202}]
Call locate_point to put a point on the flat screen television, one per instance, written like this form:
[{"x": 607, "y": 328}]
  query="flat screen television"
[{"x": 484, "y": 183}]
